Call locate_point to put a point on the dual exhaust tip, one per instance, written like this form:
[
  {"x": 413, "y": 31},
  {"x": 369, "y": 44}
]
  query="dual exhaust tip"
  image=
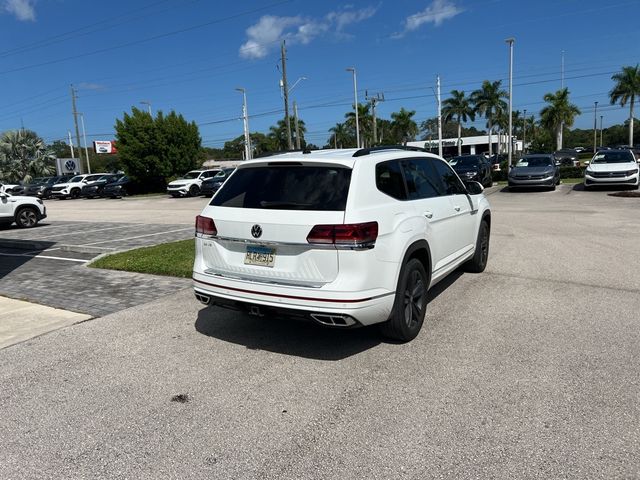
[{"x": 327, "y": 319}]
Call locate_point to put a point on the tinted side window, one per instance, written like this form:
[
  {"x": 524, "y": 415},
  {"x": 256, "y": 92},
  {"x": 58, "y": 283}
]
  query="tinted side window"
[
  {"x": 389, "y": 180},
  {"x": 421, "y": 179},
  {"x": 451, "y": 184}
]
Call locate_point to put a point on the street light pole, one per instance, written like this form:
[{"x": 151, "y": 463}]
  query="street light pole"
[
  {"x": 86, "y": 149},
  {"x": 601, "y": 129},
  {"x": 595, "y": 125},
  {"x": 510, "y": 150},
  {"x": 355, "y": 104},
  {"x": 148, "y": 104},
  {"x": 524, "y": 132},
  {"x": 439, "y": 116},
  {"x": 245, "y": 122}
]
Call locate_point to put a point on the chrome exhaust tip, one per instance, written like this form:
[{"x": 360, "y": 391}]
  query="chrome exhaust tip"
[
  {"x": 204, "y": 299},
  {"x": 333, "y": 320}
]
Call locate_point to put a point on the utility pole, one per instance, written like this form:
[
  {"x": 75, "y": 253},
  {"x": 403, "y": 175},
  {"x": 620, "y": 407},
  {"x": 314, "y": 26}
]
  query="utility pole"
[
  {"x": 295, "y": 120},
  {"x": 245, "y": 124},
  {"x": 439, "y": 115},
  {"x": 595, "y": 125},
  {"x": 524, "y": 132},
  {"x": 86, "y": 149},
  {"x": 378, "y": 97},
  {"x": 75, "y": 121},
  {"x": 70, "y": 143},
  {"x": 510, "y": 149},
  {"x": 601, "y": 129},
  {"x": 562, "y": 88},
  {"x": 285, "y": 90}
]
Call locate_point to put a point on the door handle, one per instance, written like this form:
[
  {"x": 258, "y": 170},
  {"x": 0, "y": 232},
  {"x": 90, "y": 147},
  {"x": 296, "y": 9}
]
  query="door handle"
[
  {"x": 456, "y": 208},
  {"x": 428, "y": 214}
]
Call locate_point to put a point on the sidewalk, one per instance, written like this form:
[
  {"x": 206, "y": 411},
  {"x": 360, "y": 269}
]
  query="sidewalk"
[{"x": 20, "y": 321}]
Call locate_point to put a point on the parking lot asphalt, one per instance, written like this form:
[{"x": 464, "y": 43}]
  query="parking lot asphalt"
[{"x": 529, "y": 370}]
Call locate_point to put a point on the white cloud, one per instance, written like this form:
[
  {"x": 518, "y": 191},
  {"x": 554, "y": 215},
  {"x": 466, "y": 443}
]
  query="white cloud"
[
  {"x": 22, "y": 9},
  {"x": 436, "y": 13},
  {"x": 265, "y": 35}
]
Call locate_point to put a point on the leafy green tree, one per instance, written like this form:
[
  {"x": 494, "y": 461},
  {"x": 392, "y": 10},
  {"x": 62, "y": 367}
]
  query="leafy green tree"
[
  {"x": 403, "y": 127},
  {"x": 460, "y": 107},
  {"x": 157, "y": 147},
  {"x": 625, "y": 90},
  {"x": 488, "y": 101},
  {"x": 559, "y": 111},
  {"x": 24, "y": 155}
]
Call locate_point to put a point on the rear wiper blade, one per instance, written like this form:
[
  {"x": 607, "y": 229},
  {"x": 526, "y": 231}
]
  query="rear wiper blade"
[{"x": 280, "y": 203}]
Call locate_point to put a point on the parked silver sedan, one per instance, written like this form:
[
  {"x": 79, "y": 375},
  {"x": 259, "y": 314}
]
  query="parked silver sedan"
[{"x": 540, "y": 170}]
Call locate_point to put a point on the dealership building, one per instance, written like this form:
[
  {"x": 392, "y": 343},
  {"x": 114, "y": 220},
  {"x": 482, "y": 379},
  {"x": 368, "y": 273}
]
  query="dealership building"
[{"x": 470, "y": 145}]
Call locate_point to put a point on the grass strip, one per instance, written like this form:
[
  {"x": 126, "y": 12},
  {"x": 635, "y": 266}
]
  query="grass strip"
[{"x": 172, "y": 259}]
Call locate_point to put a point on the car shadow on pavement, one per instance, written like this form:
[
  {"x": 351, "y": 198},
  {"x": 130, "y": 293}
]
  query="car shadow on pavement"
[
  {"x": 13, "y": 254},
  {"x": 288, "y": 337}
]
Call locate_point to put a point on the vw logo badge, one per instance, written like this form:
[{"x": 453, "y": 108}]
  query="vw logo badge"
[
  {"x": 256, "y": 231},
  {"x": 70, "y": 165}
]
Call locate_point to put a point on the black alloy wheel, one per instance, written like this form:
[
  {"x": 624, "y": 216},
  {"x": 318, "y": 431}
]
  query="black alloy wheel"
[
  {"x": 410, "y": 305},
  {"x": 194, "y": 191},
  {"x": 75, "y": 193},
  {"x": 478, "y": 262}
]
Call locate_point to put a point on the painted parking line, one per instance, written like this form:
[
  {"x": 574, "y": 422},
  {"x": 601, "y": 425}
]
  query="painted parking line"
[
  {"x": 82, "y": 232},
  {"x": 43, "y": 256},
  {"x": 137, "y": 236}
]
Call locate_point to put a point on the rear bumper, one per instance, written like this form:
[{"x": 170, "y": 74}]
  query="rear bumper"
[{"x": 356, "y": 308}]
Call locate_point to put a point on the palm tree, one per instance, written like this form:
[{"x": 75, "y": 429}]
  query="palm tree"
[
  {"x": 341, "y": 136},
  {"x": 365, "y": 122},
  {"x": 403, "y": 128},
  {"x": 460, "y": 107},
  {"x": 23, "y": 155},
  {"x": 625, "y": 90},
  {"x": 488, "y": 101},
  {"x": 559, "y": 112},
  {"x": 278, "y": 133}
]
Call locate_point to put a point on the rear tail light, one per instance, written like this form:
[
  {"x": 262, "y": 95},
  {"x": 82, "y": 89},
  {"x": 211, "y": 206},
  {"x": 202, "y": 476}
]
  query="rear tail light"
[
  {"x": 358, "y": 235},
  {"x": 205, "y": 226}
]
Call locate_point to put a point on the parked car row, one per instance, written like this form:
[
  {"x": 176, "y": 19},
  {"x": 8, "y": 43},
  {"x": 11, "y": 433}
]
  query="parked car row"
[{"x": 199, "y": 182}]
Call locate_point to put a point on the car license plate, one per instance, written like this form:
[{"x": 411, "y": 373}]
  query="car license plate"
[{"x": 261, "y": 256}]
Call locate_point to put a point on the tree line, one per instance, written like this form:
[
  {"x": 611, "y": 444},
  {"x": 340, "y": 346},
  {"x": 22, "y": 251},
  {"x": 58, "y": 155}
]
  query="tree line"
[{"x": 168, "y": 145}]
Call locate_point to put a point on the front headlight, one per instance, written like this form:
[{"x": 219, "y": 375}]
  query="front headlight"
[
  {"x": 588, "y": 172},
  {"x": 39, "y": 201},
  {"x": 631, "y": 172}
]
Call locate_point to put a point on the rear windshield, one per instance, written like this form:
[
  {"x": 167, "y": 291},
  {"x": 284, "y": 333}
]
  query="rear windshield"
[{"x": 290, "y": 187}]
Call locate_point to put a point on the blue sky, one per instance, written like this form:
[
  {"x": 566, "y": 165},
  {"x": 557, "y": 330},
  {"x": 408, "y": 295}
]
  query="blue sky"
[{"x": 190, "y": 55}]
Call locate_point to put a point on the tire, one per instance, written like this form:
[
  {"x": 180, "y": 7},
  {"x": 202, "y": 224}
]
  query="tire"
[
  {"x": 75, "y": 193},
  {"x": 478, "y": 262},
  {"x": 194, "y": 191},
  {"x": 27, "y": 217},
  {"x": 410, "y": 305}
]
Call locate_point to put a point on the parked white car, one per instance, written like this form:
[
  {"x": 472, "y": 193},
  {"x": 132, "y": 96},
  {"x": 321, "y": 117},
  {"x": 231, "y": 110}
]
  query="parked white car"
[
  {"x": 73, "y": 187},
  {"x": 341, "y": 237},
  {"x": 612, "y": 168},
  {"x": 7, "y": 187},
  {"x": 190, "y": 183},
  {"x": 26, "y": 212}
]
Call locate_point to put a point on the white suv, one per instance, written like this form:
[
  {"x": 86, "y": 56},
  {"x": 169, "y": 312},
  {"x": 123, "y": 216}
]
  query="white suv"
[
  {"x": 25, "y": 211},
  {"x": 190, "y": 183},
  {"x": 73, "y": 187},
  {"x": 612, "y": 168},
  {"x": 342, "y": 237}
]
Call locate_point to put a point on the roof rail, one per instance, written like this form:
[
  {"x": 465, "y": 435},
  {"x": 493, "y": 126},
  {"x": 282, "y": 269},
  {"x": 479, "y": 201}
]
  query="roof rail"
[
  {"x": 367, "y": 151},
  {"x": 280, "y": 152}
]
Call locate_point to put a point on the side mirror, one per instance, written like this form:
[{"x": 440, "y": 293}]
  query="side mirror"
[{"x": 474, "y": 188}]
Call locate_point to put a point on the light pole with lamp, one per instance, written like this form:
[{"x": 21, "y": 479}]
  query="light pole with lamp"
[
  {"x": 295, "y": 109},
  {"x": 355, "y": 105},
  {"x": 524, "y": 132},
  {"x": 245, "y": 122},
  {"x": 84, "y": 134},
  {"x": 595, "y": 125},
  {"x": 510, "y": 42},
  {"x": 601, "y": 129}
]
